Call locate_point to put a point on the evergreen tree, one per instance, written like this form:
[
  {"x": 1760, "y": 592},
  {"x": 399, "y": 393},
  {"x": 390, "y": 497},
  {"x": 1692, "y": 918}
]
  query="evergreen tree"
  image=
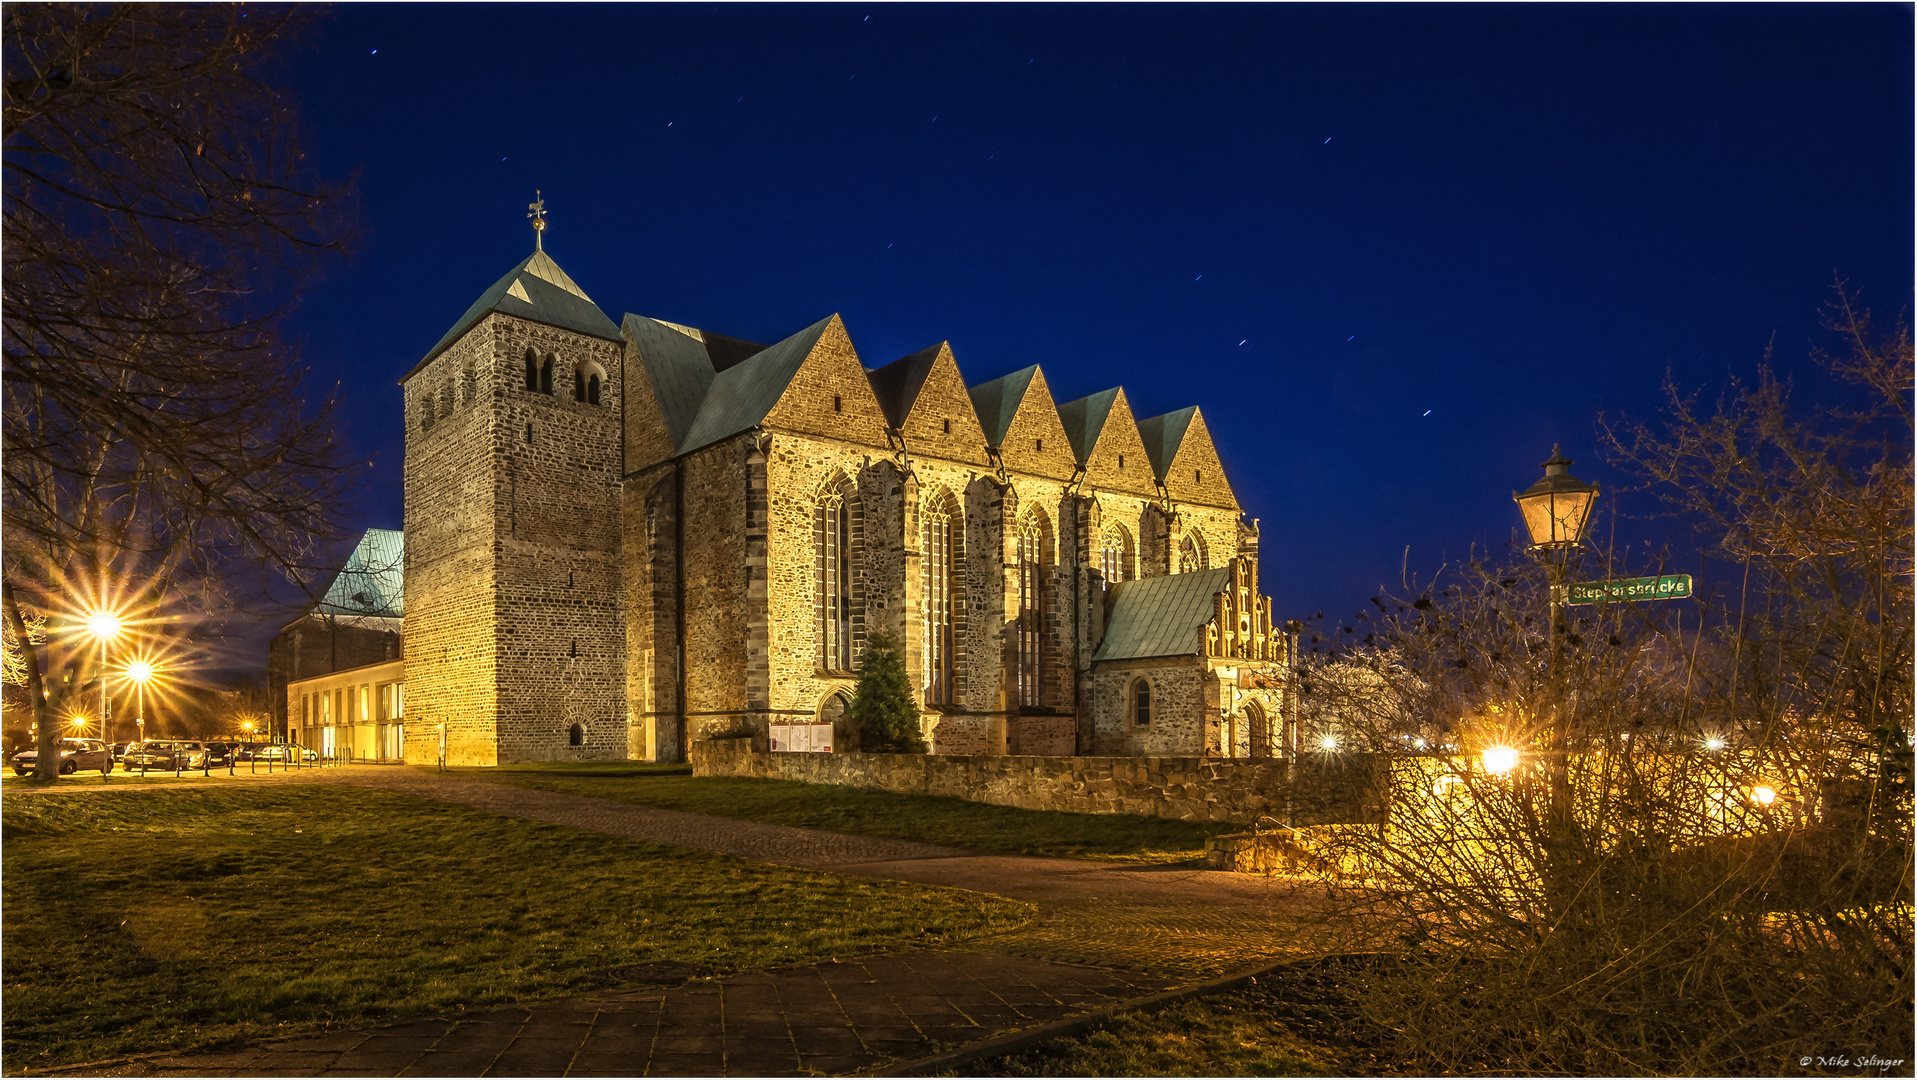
[{"x": 883, "y": 708}]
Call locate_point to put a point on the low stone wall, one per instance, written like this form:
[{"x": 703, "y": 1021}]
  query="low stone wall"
[{"x": 1327, "y": 789}]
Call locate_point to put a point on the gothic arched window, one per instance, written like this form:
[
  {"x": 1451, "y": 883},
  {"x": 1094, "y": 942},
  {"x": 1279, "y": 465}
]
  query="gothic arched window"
[
  {"x": 1115, "y": 554},
  {"x": 1140, "y": 705},
  {"x": 835, "y": 545},
  {"x": 1191, "y": 554},
  {"x": 1032, "y": 537},
  {"x": 943, "y": 526}
]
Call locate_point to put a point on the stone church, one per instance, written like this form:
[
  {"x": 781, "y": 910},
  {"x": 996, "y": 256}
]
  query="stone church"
[{"x": 621, "y": 538}]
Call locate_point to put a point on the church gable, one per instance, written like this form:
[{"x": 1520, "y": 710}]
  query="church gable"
[
  {"x": 668, "y": 374},
  {"x": 1195, "y": 475},
  {"x": 1108, "y": 444},
  {"x": 929, "y": 404},
  {"x": 826, "y": 392},
  {"x": 1033, "y": 440}
]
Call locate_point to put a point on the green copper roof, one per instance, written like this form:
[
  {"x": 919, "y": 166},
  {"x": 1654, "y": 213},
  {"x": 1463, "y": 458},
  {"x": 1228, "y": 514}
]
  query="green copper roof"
[
  {"x": 536, "y": 289},
  {"x": 1084, "y": 419},
  {"x": 1163, "y": 435},
  {"x": 1162, "y": 616},
  {"x": 997, "y": 402},
  {"x": 741, "y": 395},
  {"x": 371, "y": 581}
]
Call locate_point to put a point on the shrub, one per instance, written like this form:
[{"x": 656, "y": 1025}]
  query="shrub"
[{"x": 883, "y": 707}]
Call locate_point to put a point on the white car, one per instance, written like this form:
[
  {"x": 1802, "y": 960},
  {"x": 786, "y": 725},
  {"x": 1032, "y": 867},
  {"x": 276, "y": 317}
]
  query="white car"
[{"x": 75, "y": 754}]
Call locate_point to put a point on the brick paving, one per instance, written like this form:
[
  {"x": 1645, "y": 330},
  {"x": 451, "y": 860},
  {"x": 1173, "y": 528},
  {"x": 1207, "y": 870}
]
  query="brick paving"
[{"x": 1107, "y": 932}]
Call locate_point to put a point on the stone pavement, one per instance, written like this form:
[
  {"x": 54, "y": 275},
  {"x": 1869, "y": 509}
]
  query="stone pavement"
[
  {"x": 1107, "y": 932},
  {"x": 823, "y": 1019}
]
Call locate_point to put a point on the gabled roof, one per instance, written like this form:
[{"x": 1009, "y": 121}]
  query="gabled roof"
[
  {"x": 741, "y": 395},
  {"x": 1162, "y": 616},
  {"x": 536, "y": 289},
  {"x": 675, "y": 361},
  {"x": 1163, "y": 434},
  {"x": 997, "y": 402},
  {"x": 1084, "y": 419},
  {"x": 898, "y": 383},
  {"x": 371, "y": 582}
]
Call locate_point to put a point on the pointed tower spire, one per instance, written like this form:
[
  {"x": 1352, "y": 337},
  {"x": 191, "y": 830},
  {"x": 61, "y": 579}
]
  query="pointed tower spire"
[{"x": 538, "y": 216}]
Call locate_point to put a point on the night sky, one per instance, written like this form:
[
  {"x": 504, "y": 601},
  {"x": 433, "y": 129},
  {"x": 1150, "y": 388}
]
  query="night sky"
[{"x": 1394, "y": 253}]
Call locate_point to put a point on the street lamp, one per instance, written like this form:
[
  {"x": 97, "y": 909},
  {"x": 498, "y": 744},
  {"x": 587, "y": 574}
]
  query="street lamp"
[
  {"x": 140, "y": 671},
  {"x": 1557, "y": 510},
  {"x": 104, "y": 626}
]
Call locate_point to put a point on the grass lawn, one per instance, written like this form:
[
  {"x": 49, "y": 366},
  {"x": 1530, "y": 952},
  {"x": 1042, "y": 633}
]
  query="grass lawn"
[
  {"x": 181, "y": 918},
  {"x": 931, "y": 819}
]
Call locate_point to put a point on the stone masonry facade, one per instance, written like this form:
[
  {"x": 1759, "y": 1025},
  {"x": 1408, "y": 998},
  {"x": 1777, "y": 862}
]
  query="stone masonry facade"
[{"x": 621, "y": 542}]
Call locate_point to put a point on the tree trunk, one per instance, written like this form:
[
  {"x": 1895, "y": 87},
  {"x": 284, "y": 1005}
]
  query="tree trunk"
[{"x": 47, "y": 732}]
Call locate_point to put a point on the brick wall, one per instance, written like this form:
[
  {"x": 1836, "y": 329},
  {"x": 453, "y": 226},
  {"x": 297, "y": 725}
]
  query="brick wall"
[{"x": 1336, "y": 789}]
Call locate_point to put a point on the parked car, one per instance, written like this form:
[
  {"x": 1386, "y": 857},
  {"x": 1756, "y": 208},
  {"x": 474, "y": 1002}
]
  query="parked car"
[
  {"x": 219, "y": 754},
  {"x": 119, "y": 750},
  {"x": 75, "y": 754},
  {"x": 166, "y": 754},
  {"x": 280, "y": 752}
]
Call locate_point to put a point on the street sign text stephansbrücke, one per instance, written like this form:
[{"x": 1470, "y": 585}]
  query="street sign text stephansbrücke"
[{"x": 1667, "y": 587}]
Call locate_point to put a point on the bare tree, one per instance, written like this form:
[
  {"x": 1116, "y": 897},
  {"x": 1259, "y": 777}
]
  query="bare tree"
[{"x": 159, "y": 221}]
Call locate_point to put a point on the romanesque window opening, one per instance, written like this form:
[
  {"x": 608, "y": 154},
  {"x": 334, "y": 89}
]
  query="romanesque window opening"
[
  {"x": 592, "y": 390},
  {"x": 1121, "y": 461},
  {"x": 470, "y": 390},
  {"x": 1030, "y": 540},
  {"x": 936, "y": 593},
  {"x": 1141, "y": 703},
  {"x": 426, "y": 413},
  {"x": 446, "y": 398},
  {"x": 577, "y": 736},
  {"x": 545, "y": 376},
  {"x": 948, "y": 427},
  {"x": 1198, "y": 476},
  {"x": 1191, "y": 554},
  {"x": 529, "y": 433},
  {"x": 1038, "y": 444},
  {"x": 532, "y": 371},
  {"x": 579, "y": 386},
  {"x": 575, "y": 648},
  {"x": 832, "y": 532},
  {"x": 1115, "y": 554},
  {"x": 838, "y": 403}
]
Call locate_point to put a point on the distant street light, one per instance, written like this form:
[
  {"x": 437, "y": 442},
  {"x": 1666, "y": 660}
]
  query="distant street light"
[
  {"x": 104, "y": 626},
  {"x": 1557, "y": 510},
  {"x": 1499, "y": 760},
  {"x": 140, "y": 671}
]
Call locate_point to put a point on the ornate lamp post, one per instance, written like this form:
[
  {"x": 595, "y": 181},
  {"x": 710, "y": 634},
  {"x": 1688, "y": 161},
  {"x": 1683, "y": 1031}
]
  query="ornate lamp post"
[{"x": 1557, "y": 510}]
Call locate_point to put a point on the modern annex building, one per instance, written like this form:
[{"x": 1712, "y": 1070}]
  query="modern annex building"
[{"x": 620, "y": 538}]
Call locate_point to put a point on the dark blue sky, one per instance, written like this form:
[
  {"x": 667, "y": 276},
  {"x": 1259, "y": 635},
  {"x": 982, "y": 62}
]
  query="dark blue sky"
[{"x": 1317, "y": 223}]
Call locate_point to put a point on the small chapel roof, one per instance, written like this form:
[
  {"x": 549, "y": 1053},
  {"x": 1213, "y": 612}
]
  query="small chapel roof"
[
  {"x": 371, "y": 581},
  {"x": 898, "y": 383},
  {"x": 997, "y": 402},
  {"x": 1163, "y": 435},
  {"x": 1161, "y": 616},
  {"x": 538, "y": 290}
]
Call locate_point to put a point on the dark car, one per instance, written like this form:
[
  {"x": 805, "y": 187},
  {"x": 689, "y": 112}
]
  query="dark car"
[
  {"x": 169, "y": 754},
  {"x": 75, "y": 754},
  {"x": 219, "y": 755}
]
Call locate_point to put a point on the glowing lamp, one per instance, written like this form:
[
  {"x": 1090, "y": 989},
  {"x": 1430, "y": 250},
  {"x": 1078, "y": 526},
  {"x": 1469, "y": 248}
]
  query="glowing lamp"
[
  {"x": 1763, "y": 794},
  {"x": 1499, "y": 760},
  {"x": 139, "y": 671},
  {"x": 1557, "y": 508},
  {"x": 103, "y": 624},
  {"x": 1713, "y": 743},
  {"x": 1328, "y": 743}
]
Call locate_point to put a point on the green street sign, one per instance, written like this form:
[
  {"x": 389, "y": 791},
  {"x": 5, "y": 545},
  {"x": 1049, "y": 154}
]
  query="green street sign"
[{"x": 1668, "y": 587}]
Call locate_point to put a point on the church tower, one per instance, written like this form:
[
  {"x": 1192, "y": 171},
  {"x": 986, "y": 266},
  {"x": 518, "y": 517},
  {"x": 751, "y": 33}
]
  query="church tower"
[{"x": 513, "y": 625}]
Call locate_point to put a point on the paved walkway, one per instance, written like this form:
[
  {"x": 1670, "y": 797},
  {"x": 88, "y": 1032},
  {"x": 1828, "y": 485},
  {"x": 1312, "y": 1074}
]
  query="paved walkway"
[{"x": 1107, "y": 933}]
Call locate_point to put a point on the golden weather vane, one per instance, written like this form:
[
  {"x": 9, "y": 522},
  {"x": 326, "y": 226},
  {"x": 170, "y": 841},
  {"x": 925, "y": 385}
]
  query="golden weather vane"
[{"x": 538, "y": 216}]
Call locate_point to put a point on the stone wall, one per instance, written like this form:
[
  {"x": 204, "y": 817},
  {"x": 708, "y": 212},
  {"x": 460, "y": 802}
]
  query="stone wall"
[{"x": 1335, "y": 789}]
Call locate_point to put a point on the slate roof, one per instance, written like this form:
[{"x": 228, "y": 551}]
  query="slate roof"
[
  {"x": 898, "y": 383},
  {"x": 371, "y": 581},
  {"x": 1161, "y": 616},
  {"x": 741, "y": 395},
  {"x": 1084, "y": 419},
  {"x": 678, "y": 366},
  {"x": 536, "y": 289},
  {"x": 997, "y": 402},
  {"x": 1163, "y": 435}
]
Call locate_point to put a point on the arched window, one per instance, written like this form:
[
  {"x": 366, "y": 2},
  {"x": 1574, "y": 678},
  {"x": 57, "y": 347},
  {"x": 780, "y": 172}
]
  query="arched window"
[
  {"x": 1140, "y": 705},
  {"x": 943, "y": 527},
  {"x": 1191, "y": 554},
  {"x": 1115, "y": 554},
  {"x": 1032, "y": 536},
  {"x": 426, "y": 413},
  {"x": 592, "y": 390},
  {"x": 835, "y": 561},
  {"x": 1260, "y": 729},
  {"x": 469, "y": 385},
  {"x": 446, "y": 398},
  {"x": 578, "y": 735},
  {"x": 578, "y": 385},
  {"x": 545, "y": 376},
  {"x": 532, "y": 371}
]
